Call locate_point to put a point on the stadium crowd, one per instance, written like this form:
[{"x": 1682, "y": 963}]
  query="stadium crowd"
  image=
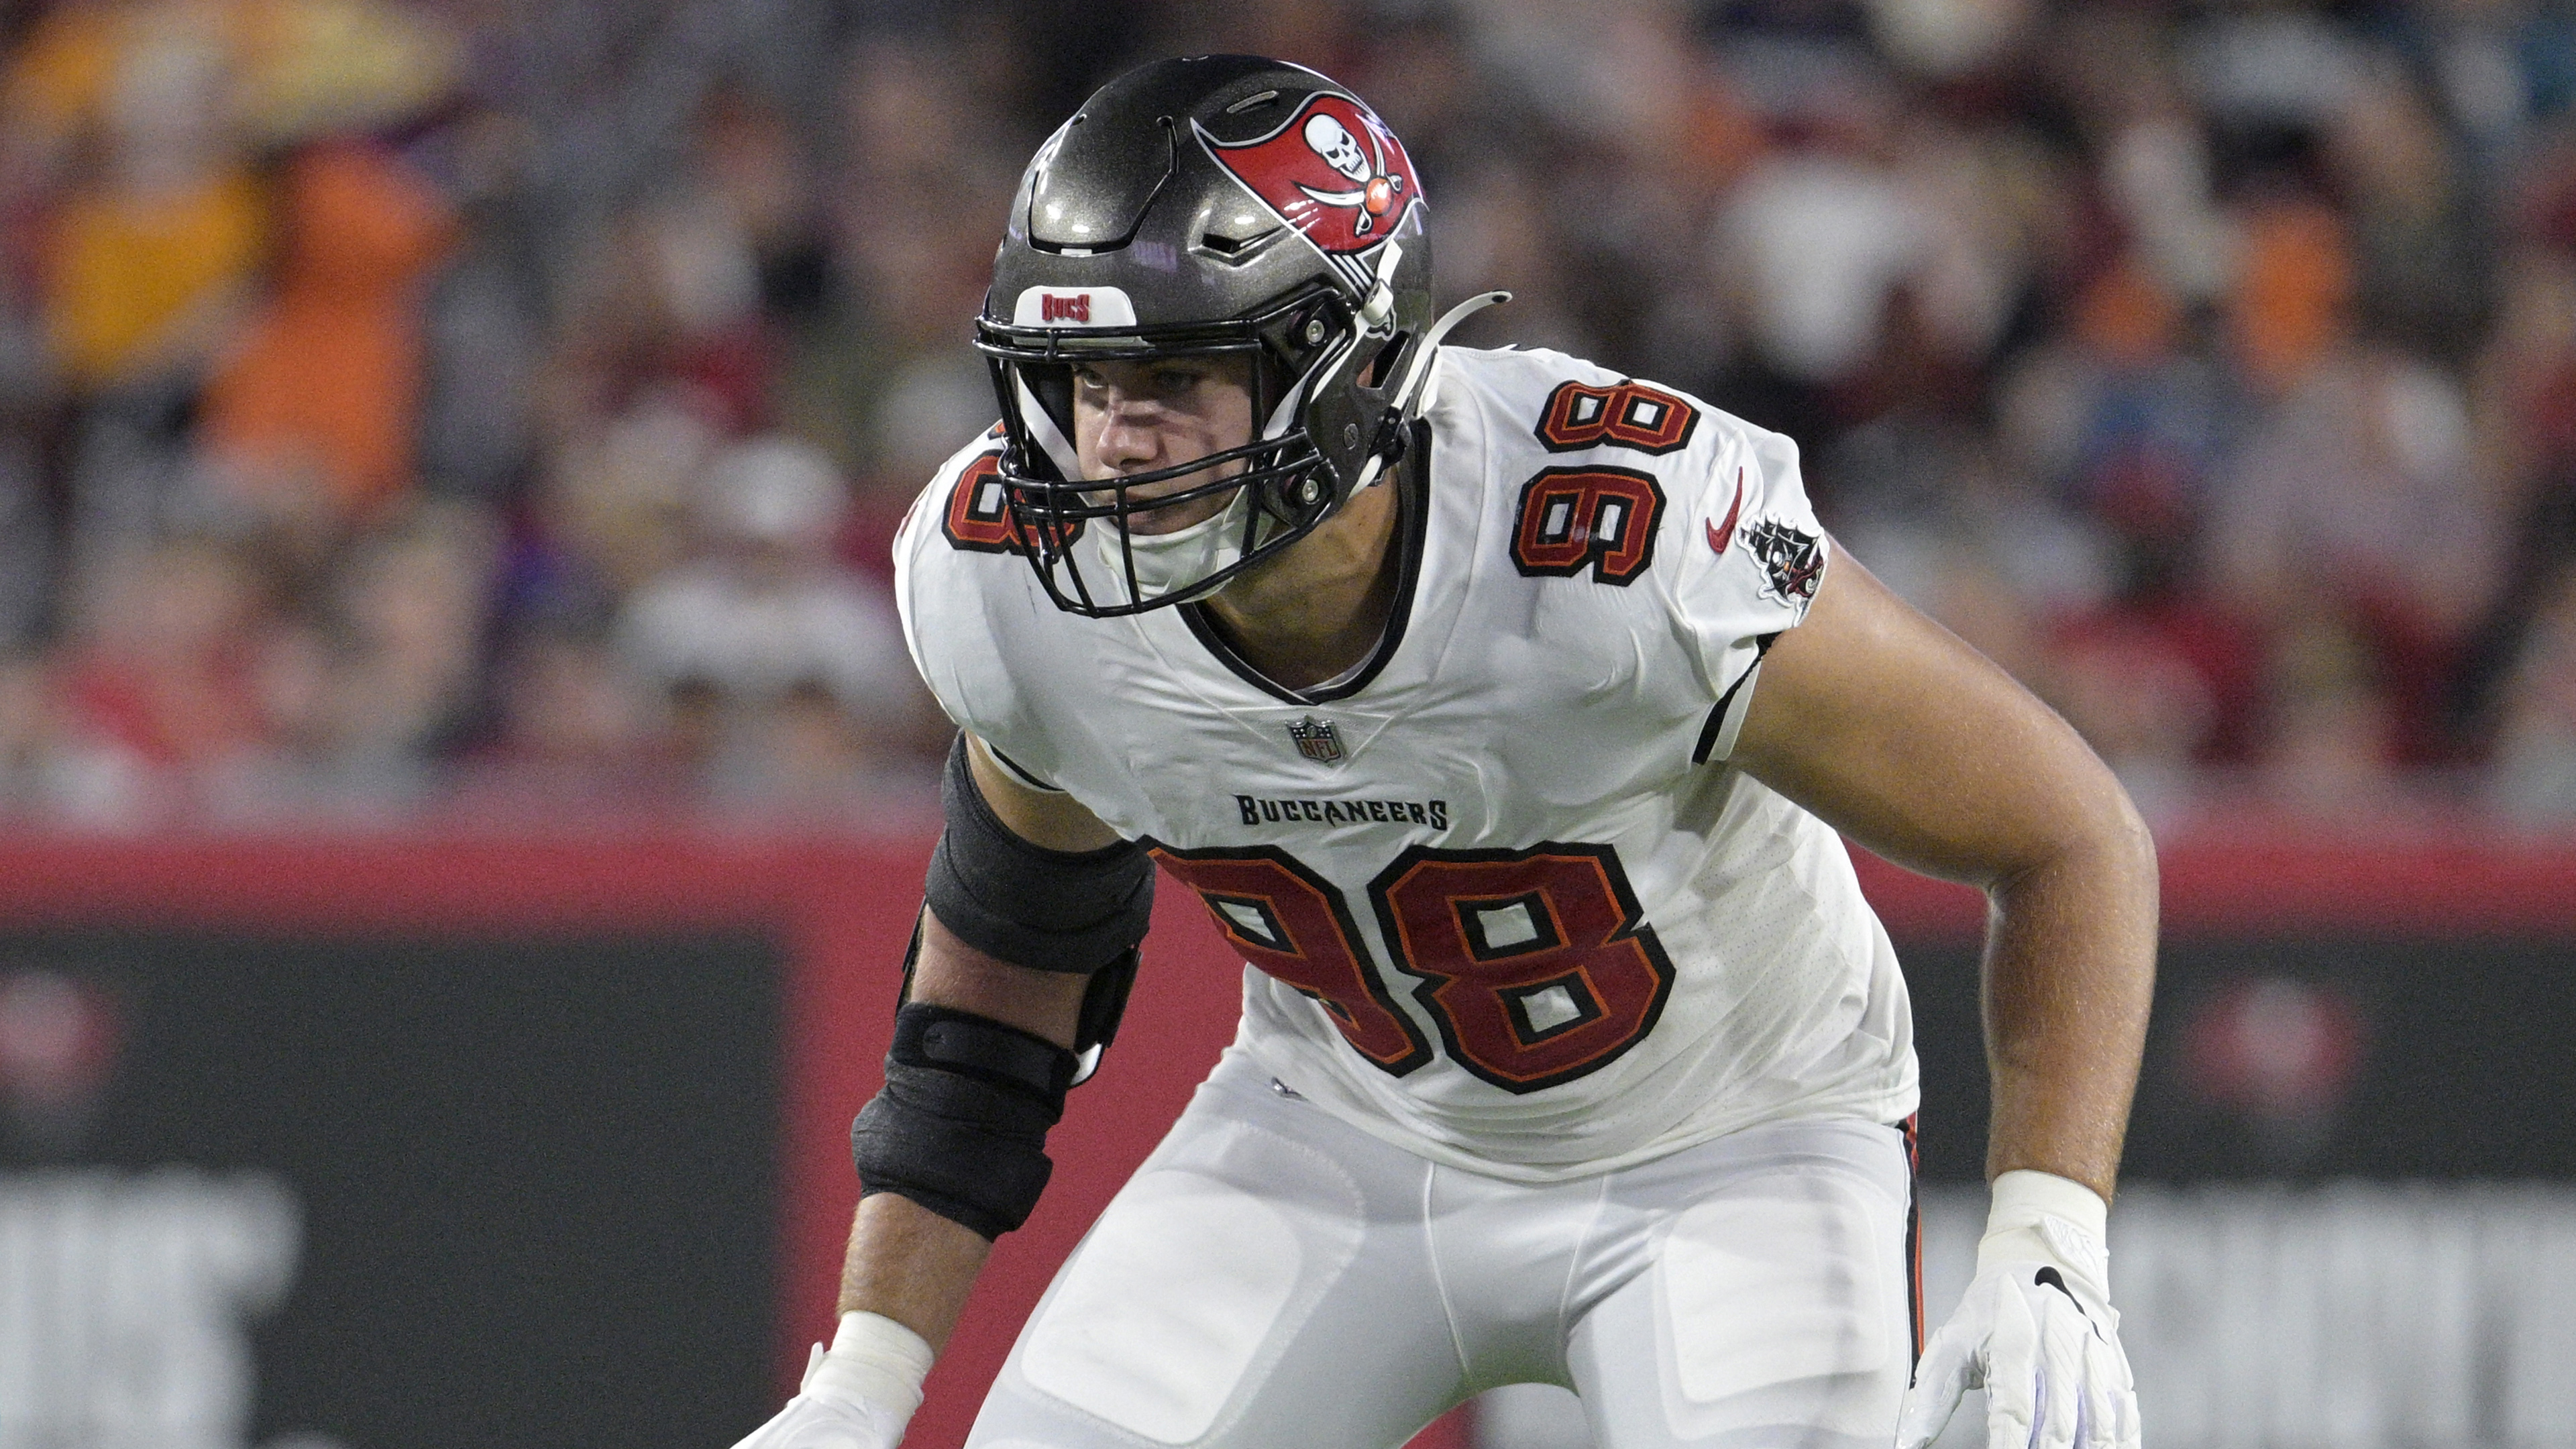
[{"x": 507, "y": 408}]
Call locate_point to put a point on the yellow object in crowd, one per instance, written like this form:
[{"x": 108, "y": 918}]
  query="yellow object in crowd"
[{"x": 135, "y": 278}]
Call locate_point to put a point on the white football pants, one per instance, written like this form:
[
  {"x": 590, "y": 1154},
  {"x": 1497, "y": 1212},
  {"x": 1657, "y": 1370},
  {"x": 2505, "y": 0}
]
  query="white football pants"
[{"x": 1273, "y": 1278}]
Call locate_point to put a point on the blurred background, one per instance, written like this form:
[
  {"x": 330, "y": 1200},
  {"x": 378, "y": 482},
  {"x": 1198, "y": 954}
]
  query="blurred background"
[{"x": 449, "y": 451}]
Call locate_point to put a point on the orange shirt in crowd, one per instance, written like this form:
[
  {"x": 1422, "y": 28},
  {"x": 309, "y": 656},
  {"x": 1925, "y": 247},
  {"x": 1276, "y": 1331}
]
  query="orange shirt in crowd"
[
  {"x": 324, "y": 388},
  {"x": 2293, "y": 301},
  {"x": 60, "y": 76}
]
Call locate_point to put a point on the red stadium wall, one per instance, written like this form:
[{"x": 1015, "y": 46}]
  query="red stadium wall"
[{"x": 843, "y": 910}]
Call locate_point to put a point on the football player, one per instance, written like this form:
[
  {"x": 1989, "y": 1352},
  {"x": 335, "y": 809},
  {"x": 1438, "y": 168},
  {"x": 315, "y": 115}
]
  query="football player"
[{"x": 1502, "y": 711}]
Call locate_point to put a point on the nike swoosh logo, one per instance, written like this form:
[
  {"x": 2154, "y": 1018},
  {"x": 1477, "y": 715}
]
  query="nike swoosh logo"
[
  {"x": 1722, "y": 534},
  {"x": 2050, "y": 1277}
]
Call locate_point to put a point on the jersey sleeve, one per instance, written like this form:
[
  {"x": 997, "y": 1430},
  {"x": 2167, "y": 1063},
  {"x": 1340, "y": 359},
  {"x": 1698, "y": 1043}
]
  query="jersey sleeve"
[
  {"x": 967, "y": 600},
  {"x": 1752, "y": 558}
]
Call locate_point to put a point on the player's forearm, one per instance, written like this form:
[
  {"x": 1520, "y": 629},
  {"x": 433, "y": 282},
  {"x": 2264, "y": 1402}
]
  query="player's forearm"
[
  {"x": 2070, "y": 968},
  {"x": 912, "y": 1265},
  {"x": 906, "y": 1261}
]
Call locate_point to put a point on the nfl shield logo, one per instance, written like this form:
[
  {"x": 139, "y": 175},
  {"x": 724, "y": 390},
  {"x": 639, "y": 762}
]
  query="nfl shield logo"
[{"x": 1317, "y": 739}]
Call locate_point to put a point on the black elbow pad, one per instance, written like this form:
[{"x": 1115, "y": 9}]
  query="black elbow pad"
[{"x": 961, "y": 1125}]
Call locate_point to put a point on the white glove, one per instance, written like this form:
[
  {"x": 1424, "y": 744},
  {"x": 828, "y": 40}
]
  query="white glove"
[
  {"x": 858, "y": 1395},
  {"x": 2036, "y": 1330}
]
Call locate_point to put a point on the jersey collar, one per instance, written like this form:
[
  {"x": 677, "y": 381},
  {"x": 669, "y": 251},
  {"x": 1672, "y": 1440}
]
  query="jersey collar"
[{"x": 1413, "y": 514}]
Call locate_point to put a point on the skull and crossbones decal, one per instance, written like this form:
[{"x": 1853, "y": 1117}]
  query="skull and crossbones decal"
[
  {"x": 1340, "y": 149},
  {"x": 1331, "y": 169}
]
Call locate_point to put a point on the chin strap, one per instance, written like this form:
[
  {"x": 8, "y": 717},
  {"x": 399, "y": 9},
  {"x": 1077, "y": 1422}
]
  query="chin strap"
[
  {"x": 1406, "y": 403},
  {"x": 1379, "y": 305},
  {"x": 1418, "y": 372}
]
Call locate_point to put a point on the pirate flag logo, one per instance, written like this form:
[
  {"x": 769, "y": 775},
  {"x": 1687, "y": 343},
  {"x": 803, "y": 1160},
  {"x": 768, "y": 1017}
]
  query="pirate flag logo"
[
  {"x": 1792, "y": 560},
  {"x": 1332, "y": 170}
]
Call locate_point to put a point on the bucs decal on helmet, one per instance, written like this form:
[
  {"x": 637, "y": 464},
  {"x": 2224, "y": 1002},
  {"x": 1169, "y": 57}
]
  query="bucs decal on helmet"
[{"x": 1333, "y": 171}]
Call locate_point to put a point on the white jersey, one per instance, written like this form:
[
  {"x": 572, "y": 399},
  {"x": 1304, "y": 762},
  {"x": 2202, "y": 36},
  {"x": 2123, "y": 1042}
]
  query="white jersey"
[{"x": 1503, "y": 901}]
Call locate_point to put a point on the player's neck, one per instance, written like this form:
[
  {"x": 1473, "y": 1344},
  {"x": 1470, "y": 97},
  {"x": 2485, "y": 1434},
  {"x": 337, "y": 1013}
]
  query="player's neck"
[{"x": 1321, "y": 607}]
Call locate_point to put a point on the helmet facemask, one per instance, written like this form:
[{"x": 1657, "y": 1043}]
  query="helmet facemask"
[{"x": 1275, "y": 485}]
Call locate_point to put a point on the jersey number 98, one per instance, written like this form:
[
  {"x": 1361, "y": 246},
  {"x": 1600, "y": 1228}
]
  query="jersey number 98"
[{"x": 1536, "y": 965}]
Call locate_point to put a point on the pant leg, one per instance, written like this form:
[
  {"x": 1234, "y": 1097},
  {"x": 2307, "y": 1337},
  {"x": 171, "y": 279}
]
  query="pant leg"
[
  {"x": 1261, "y": 1283},
  {"x": 1757, "y": 1294}
]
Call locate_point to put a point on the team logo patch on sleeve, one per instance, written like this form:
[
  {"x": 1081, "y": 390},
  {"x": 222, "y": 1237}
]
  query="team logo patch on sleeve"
[
  {"x": 1600, "y": 518},
  {"x": 979, "y": 517},
  {"x": 1792, "y": 559}
]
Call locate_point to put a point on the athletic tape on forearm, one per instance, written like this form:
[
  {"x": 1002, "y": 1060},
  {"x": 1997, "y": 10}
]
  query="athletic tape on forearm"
[
  {"x": 1049, "y": 910},
  {"x": 961, "y": 1125},
  {"x": 2021, "y": 1197},
  {"x": 2019, "y": 1226},
  {"x": 875, "y": 1361}
]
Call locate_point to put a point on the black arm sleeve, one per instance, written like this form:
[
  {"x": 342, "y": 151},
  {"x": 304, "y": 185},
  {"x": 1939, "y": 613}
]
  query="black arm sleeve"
[{"x": 1048, "y": 910}]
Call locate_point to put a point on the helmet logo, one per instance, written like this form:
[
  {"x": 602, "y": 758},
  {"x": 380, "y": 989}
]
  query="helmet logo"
[
  {"x": 1333, "y": 171},
  {"x": 1090, "y": 307},
  {"x": 1338, "y": 147}
]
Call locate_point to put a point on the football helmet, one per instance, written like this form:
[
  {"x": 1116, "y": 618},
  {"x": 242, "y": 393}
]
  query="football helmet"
[{"x": 1214, "y": 206}]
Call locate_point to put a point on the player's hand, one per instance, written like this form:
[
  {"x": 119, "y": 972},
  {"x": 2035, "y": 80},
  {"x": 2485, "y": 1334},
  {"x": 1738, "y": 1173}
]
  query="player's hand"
[
  {"x": 857, "y": 1395},
  {"x": 2036, "y": 1331},
  {"x": 811, "y": 1423}
]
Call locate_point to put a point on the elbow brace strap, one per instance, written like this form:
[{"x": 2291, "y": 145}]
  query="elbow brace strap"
[
  {"x": 961, "y": 1125},
  {"x": 1048, "y": 910}
]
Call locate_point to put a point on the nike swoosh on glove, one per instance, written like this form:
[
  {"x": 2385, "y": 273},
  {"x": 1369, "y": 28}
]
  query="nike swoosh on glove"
[{"x": 2035, "y": 1330}]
